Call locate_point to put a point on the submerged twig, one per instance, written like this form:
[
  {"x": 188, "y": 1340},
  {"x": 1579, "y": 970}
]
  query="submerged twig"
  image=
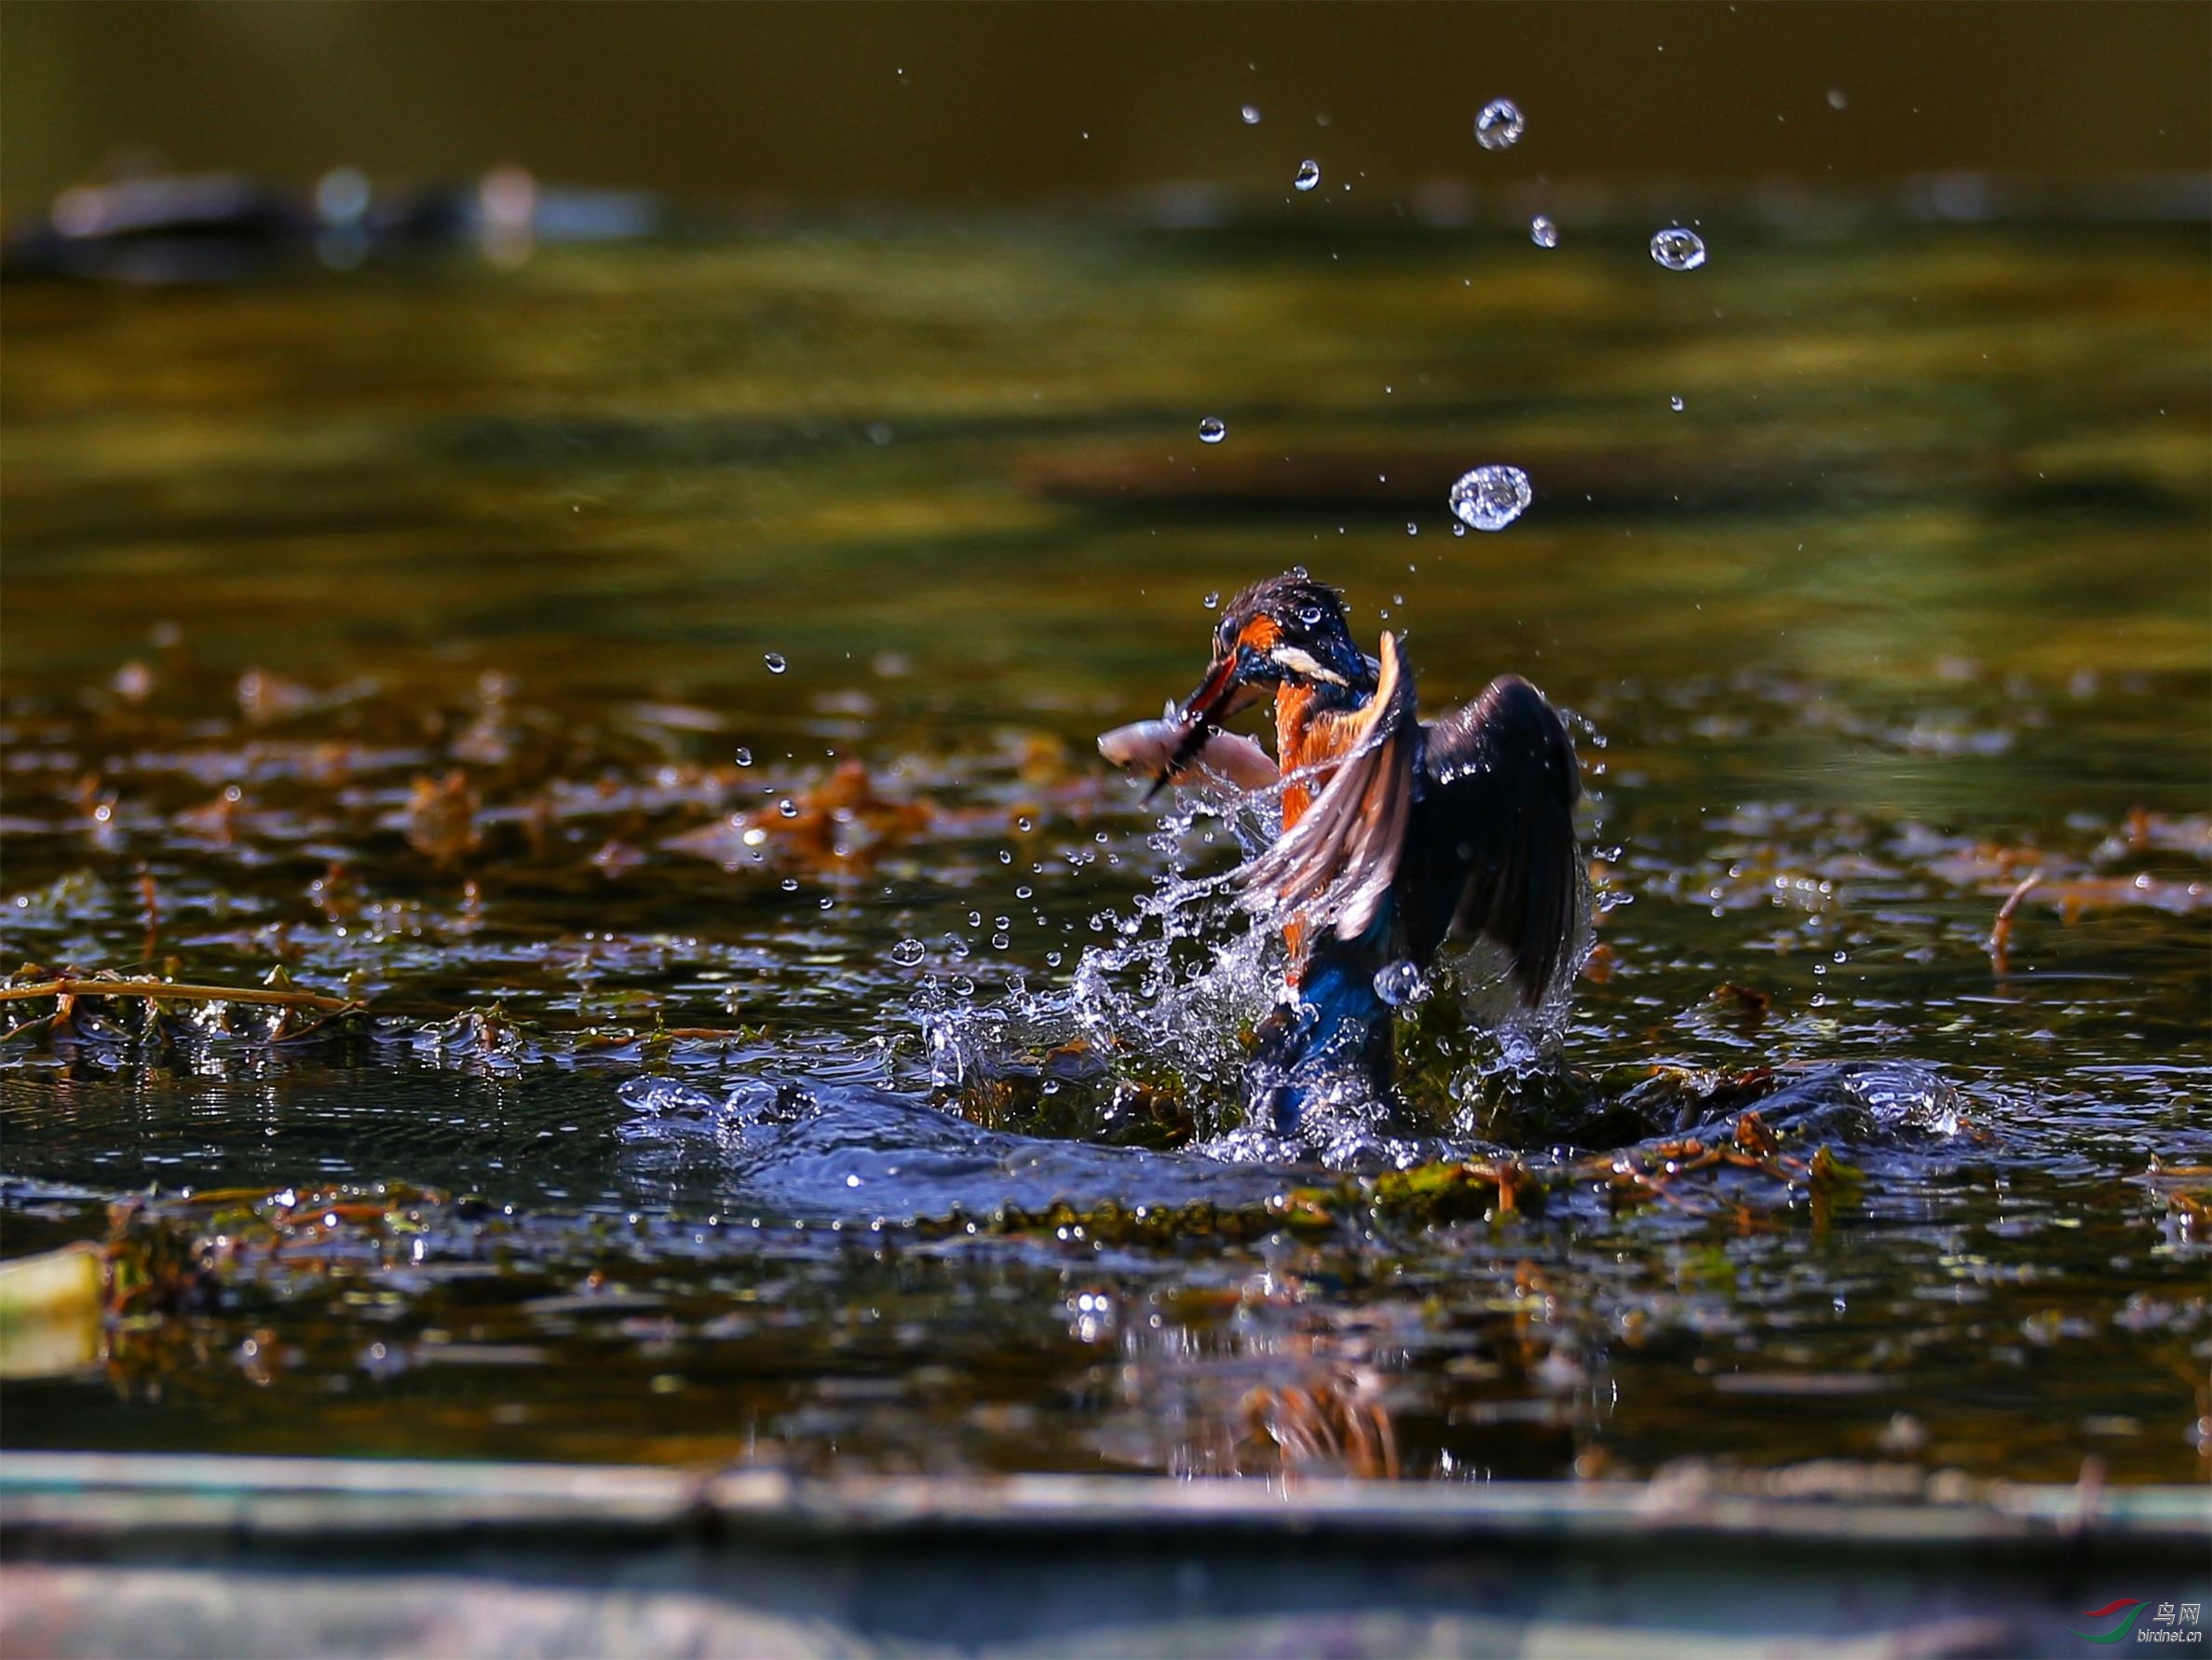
[
  {"x": 172, "y": 991},
  {"x": 2000, "y": 931},
  {"x": 26, "y": 1029}
]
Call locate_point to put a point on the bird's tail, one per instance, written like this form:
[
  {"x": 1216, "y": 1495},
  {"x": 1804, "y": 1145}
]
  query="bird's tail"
[{"x": 1329, "y": 1045}]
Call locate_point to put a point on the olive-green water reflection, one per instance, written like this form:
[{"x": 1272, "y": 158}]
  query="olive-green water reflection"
[{"x": 466, "y": 579}]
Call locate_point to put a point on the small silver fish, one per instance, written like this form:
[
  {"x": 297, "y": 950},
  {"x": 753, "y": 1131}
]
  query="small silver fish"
[{"x": 1145, "y": 746}]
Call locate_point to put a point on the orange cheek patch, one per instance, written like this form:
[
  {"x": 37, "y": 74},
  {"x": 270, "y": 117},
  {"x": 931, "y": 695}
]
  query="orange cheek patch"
[{"x": 1261, "y": 633}]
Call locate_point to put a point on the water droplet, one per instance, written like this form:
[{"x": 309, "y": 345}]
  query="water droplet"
[
  {"x": 1000, "y": 942},
  {"x": 1675, "y": 403},
  {"x": 776, "y": 664},
  {"x": 1677, "y": 247},
  {"x": 1835, "y": 98},
  {"x": 829, "y": 905},
  {"x": 1411, "y": 528},
  {"x": 1212, "y": 429},
  {"x": 1308, "y": 175},
  {"x": 1309, "y": 616},
  {"x": 788, "y": 807},
  {"x": 1542, "y": 232},
  {"x": 907, "y": 953},
  {"x": 790, "y": 884},
  {"x": 1499, "y": 125},
  {"x": 744, "y": 758},
  {"x": 1211, "y": 600},
  {"x": 1491, "y": 497},
  {"x": 1399, "y": 984},
  {"x": 1251, "y": 115}
]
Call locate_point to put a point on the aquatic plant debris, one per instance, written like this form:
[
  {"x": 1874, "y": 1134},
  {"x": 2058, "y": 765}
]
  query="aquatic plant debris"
[{"x": 694, "y": 1159}]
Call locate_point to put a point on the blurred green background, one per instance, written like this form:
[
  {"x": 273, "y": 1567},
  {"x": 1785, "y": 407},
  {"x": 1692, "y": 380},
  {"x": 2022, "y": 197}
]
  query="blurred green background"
[{"x": 952, "y": 103}]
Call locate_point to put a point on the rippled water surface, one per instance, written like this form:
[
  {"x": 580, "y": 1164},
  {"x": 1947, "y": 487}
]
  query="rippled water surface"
[{"x": 405, "y": 635}]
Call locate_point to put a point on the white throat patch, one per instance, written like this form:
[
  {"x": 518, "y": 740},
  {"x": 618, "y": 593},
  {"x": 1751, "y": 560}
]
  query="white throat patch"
[{"x": 1301, "y": 661}]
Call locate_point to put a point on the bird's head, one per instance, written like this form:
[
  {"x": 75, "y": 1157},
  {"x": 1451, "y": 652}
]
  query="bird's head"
[{"x": 1286, "y": 630}]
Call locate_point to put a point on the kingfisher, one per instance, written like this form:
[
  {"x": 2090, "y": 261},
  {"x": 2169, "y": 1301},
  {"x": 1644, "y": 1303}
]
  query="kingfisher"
[{"x": 1398, "y": 835}]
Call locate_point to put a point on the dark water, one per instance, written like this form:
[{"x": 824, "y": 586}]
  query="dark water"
[{"x": 689, "y": 1155}]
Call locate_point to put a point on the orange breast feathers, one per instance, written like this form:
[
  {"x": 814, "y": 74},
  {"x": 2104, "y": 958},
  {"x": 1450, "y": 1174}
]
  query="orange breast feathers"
[{"x": 1306, "y": 742}]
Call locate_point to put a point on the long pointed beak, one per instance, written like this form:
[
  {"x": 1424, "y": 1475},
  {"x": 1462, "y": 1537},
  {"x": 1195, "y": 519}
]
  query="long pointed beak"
[{"x": 1200, "y": 711}]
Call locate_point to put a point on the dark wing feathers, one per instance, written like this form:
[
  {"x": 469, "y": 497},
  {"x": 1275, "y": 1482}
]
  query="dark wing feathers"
[
  {"x": 1494, "y": 833},
  {"x": 1481, "y": 803}
]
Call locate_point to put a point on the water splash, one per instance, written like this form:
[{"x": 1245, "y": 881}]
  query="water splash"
[{"x": 1186, "y": 986}]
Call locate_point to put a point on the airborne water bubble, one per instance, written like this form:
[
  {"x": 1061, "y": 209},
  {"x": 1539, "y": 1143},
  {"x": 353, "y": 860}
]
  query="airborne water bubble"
[
  {"x": 775, "y": 662},
  {"x": 1542, "y": 232},
  {"x": 1499, "y": 125},
  {"x": 907, "y": 953},
  {"x": 1212, "y": 429},
  {"x": 1213, "y": 599},
  {"x": 1677, "y": 247},
  {"x": 1491, "y": 497},
  {"x": 745, "y": 756},
  {"x": 1308, "y": 175},
  {"x": 1249, "y": 113},
  {"x": 1675, "y": 403},
  {"x": 1399, "y": 984}
]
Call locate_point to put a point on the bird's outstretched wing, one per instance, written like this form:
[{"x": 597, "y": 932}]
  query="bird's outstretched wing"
[
  {"x": 1336, "y": 867},
  {"x": 1493, "y": 841}
]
